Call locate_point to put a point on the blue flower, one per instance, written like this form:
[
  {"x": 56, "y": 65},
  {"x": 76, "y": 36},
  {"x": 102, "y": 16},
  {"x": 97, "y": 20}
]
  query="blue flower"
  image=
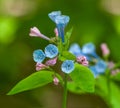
[
  {"x": 51, "y": 51},
  {"x": 53, "y": 15},
  {"x": 94, "y": 71},
  {"x": 67, "y": 66},
  {"x": 89, "y": 49},
  {"x": 38, "y": 56},
  {"x": 75, "y": 49},
  {"x": 101, "y": 66},
  {"x": 98, "y": 68},
  {"x": 61, "y": 21}
]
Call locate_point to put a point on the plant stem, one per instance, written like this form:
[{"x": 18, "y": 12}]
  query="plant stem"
[
  {"x": 64, "y": 104},
  {"x": 109, "y": 88}
]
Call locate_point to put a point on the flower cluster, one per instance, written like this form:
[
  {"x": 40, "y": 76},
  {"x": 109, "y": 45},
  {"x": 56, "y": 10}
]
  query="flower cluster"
[
  {"x": 51, "y": 51},
  {"x": 49, "y": 57},
  {"x": 97, "y": 65}
]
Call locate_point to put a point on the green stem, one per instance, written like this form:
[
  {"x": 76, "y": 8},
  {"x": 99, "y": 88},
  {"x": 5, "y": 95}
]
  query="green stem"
[
  {"x": 109, "y": 88},
  {"x": 64, "y": 104}
]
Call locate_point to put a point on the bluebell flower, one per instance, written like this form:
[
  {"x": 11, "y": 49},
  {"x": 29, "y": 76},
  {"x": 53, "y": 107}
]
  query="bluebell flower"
[
  {"x": 61, "y": 21},
  {"x": 94, "y": 71},
  {"x": 53, "y": 15},
  {"x": 67, "y": 66},
  {"x": 101, "y": 66},
  {"x": 89, "y": 49},
  {"x": 98, "y": 68},
  {"x": 51, "y": 51},
  {"x": 75, "y": 49},
  {"x": 38, "y": 56}
]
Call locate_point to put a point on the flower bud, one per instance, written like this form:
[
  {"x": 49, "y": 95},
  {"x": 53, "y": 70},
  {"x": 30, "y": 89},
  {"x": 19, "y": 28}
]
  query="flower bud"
[
  {"x": 40, "y": 66},
  {"x": 56, "y": 80},
  {"x": 36, "y": 33}
]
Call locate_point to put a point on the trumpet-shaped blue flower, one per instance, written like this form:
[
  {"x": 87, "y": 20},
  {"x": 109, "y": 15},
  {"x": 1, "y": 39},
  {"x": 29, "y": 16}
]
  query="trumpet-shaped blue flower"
[
  {"x": 53, "y": 15},
  {"x": 61, "y": 21},
  {"x": 89, "y": 49},
  {"x": 38, "y": 56},
  {"x": 98, "y": 68},
  {"x": 51, "y": 51},
  {"x": 75, "y": 49},
  {"x": 101, "y": 66},
  {"x": 67, "y": 66}
]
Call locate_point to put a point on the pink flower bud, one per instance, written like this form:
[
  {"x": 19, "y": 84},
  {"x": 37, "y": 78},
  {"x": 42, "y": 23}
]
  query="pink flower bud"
[
  {"x": 40, "y": 66},
  {"x": 36, "y": 33},
  {"x": 56, "y": 80},
  {"x": 85, "y": 63},
  {"x": 111, "y": 65},
  {"x": 82, "y": 60},
  {"x": 51, "y": 62},
  {"x": 56, "y": 32},
  {"x": 105, "y": 49},
  {"x": 114, "y": 72}
]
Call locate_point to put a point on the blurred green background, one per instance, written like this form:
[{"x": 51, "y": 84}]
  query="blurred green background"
[{"x": 94, "y": 21}]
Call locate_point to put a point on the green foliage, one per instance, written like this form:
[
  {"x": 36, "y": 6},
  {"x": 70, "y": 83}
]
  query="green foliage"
[
  {"x": 74, "y": 88},
  {"x": 35, "y": 80},
  {"x": 67, "y": 56},
  {"x": 101, "y": 87},
  {"x": 116, "y": 77},
  {"x": 64, "y": 46},
  {"x": 115, "y": 95},
  {"x": 83, "y": 78},
  {"x": 67, "y": 38},
  {"x": 108, "y": 90}
]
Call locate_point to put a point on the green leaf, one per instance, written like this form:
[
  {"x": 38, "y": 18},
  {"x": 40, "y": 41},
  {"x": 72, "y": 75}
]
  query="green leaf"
[
  {"x": 83, "y": 78},
  {"x": 102, "y": 87},
  {"x": 67, "y": 38},
  {"x": 72, "y": 87},
  {"x": 67, "y": 56},
  {"x": 115, "y": 95},
  {"x": 68, "y": 34},
  {"x": 109, "y": 91},
  {"x": 116, "y": 77},
  {"x": 35, "y": 80}
]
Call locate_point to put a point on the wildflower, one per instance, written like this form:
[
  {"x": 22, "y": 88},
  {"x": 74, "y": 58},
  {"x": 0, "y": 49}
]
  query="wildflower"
[
  {"x": 75, "y": 49},
  {"x": 94, "y": 71},
  {"x": 61, "y": 21},
  {"x": 114, "y": 72},
  {"x": 53, "y": 15},
  {"x": 36, "y": 33},
  {"x": 89, "y": 49},
  {"x": 101, "y": 66},
  {"x": 51, "y": 62},
  {"x": 105, "y": 49},
  {"x": 40, "y": 66},
  {"x": 38, "y": 56},
  {"x": 82, "y": 60},
  {"x": 51, "y": 51},
  {"x": 56, "y": 80},
  {"x": 67, "y": 66},
  {"x": 111, "y": 65}
]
